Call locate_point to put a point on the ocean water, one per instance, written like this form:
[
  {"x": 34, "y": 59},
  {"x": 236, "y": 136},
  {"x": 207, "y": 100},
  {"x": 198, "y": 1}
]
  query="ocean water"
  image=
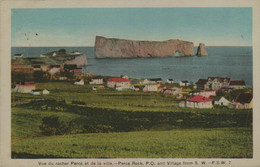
[{"x": 233, "y": 62}]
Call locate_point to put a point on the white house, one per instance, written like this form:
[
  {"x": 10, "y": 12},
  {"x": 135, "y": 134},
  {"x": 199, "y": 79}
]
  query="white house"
[
  {"x": 81, "y": 82},
  {"x": 208, "y": 93},
  {"x": 221, "y": 101},
  {"x": 173, "y": 91},
  {"x": 170, "y": 81},
  {"x": 184, "y": 83},
  {"x": 199, "y": 101},
  {"x": 24, "y": 88},
  {"x": 118, "y": 82},
  {"x": 45, "y": 92},
  {"x": 237, "y": 84},
  {"x": 152, "y": 87},
  {"x": 96, "y": 81},
  {"x": 36, "y": 92},
  {"x": 18, "y": 55}
]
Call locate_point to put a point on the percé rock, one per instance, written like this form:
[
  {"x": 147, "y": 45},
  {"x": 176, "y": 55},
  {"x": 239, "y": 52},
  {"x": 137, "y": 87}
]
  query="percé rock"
[
  {"x": 202, "y": 50},
  {"x": 121, "y": 48}
]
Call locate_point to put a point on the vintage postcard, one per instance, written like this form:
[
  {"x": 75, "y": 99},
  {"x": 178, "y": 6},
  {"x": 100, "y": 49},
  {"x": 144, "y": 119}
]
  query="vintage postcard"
[{"x": 129, "y": 83}]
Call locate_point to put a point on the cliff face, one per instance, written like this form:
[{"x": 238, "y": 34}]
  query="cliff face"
[
  {"x": 78, "y": 60},
  {"x": 202, "y": 50},
  {"x": 120, "y": 48}
]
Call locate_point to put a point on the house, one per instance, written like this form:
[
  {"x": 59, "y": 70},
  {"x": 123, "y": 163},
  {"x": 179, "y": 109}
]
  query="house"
[
  {"x": 36, "y": 92},
  {"x": 208, "y": 93},
  {"x": 76, "y": 53},
  {"x": 182, "y": 104},
  {"x": 96, "y": 81},
  {"x": 193, "y": 93},
  {"x": 77, "y": 71},
  {"x": 36, "y": 67},
  {"x": 243, "y": 101},
  {"x": 155, "y": 80},
  {"x": 221, "y": 101},
  {"x": 63, "y": 78},
  {"x": 18, "y": 55},
  {"x": 45, "y": 92},
  {"x": 124, "y": 76},
  {"x": 118, "y": 82},
  {"x": 199, "y": 101},
  {"x": 237, "y": 84},
  {"x": 172, "y": 91},
  {"x": 151, "y": 87},
  {"x": 134, "y": 81},
  {"x": 27, "y": 87},
  {"x": 201, "y": 83},
  {"x": 184, "y": 83},
  {"x": 79, "y": 82},
  {"x": 170, "y": 81}
]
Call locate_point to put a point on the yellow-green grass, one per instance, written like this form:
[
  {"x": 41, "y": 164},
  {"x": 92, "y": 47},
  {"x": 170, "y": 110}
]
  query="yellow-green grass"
[
  {"x": 185, "y": 143},
  {"x": 105, "y": 97},
  {"x": 26, "y": 122}
]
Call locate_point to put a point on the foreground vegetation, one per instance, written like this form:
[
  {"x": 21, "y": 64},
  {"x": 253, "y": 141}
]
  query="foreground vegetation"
[
  {"x": 188, "y": 143},
  {"x": 77, "y": 122}
]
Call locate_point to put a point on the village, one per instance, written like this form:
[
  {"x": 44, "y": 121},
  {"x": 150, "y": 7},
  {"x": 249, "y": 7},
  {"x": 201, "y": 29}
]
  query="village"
[{"x": 205, "y": 93}]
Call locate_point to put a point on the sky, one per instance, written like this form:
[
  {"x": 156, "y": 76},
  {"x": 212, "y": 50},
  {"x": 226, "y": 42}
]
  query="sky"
[{"x": 80, "y": 26}]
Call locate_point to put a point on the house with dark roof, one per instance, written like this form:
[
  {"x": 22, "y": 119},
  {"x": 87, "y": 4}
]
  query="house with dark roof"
[
  {"x": 243, "y": 101},
  {"x": 155, "y": 80},
  {"x": 220, "y": 100},
  {"x": 96, "y": 81},
  {"x": 170, "y": 80},
  {"x": 237, "y": 84},
  {"x": 184, "y": 83},
  {"x": 201, "y": 83}
]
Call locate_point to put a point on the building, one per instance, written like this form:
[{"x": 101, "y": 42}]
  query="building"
[
  {"x": 208, "y": 93},
  {"x": 170, "y": 81},
  {"x": 184, "y": 83},
  {"x": 201, "y": 83},
  {"x": 237, "y": 84},
  {"x": 79, "y": 82},
  {"x": 213, "y": 83},
  {"x": 36, "y": 92},
  {"x": 199, "y": 101},
  {"x": 172, "y": 91},
  {"x": 151, "y": 87},
  {"x": 96, "y": 81},
  {"x": 118, "y": 82},
  {"x": 155, "y": 80},
  {"x": 18, "y": 55},
  {"x": 36, "y": 67},
  {"x": 221, "y": 101},
  {"x": 27, "y": 87},
  {"x": 45, "y": 92},
  {"x": 243, "y": 101},
  {"x": 134, "y": 81}
]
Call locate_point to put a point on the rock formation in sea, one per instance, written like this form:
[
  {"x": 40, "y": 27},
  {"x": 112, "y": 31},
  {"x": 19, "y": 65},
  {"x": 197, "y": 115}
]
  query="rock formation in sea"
[
  {"x": 121, "y": 48},
  {"x": 202, "y": 50}
]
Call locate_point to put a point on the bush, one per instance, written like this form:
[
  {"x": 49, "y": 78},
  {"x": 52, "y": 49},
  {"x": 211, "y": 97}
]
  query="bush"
[{"x": 53, "y": 126}]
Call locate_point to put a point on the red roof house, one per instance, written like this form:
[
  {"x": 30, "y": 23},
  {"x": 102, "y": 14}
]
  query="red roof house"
[
  {"x": 199, "y": 101},
  {"x": 118, "y": 82}
]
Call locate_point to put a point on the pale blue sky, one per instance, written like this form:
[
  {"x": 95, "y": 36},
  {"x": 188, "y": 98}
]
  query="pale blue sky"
[{"x": 79, "y": 26}]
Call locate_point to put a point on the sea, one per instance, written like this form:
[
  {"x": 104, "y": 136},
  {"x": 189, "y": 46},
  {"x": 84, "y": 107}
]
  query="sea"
[{"x": 233, "y": 62}]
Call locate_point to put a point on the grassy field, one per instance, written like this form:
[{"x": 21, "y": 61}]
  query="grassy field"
[
  {"x": 125, "y": 124},
  {"x": 185, "y": 143}
]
